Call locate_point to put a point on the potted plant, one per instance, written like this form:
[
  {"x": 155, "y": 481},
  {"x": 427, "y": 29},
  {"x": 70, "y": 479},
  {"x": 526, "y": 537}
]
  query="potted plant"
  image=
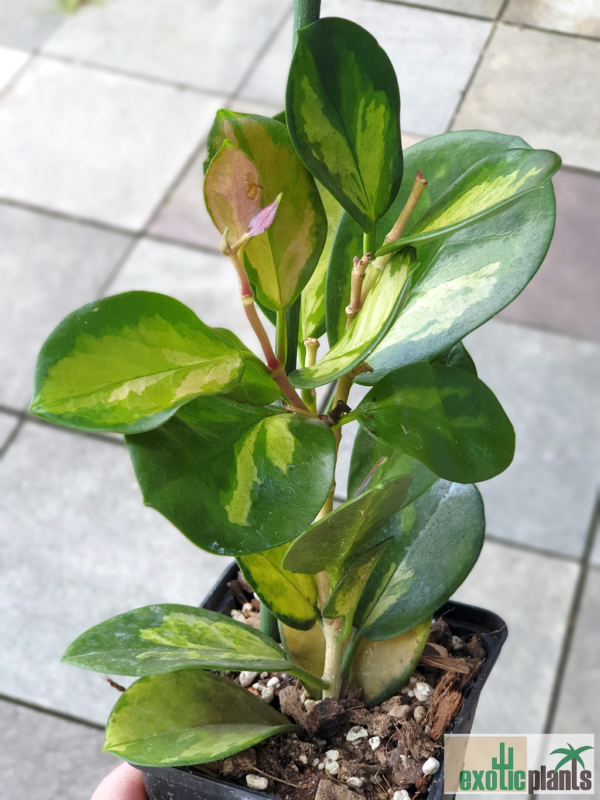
[{"x": 326, "y": 237}]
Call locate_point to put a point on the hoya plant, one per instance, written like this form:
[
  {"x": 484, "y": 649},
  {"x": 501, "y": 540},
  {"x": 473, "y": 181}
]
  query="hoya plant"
[{"x": 394, "y": 257}]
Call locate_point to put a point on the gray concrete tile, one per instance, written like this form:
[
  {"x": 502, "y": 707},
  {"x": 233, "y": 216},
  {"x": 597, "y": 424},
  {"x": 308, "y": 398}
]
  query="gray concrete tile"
[
  {"x": 11, "y": 62},
  {"x": 477, "y": 8},
  {"x": 532, "y": 593},
  {"x": 578, "y": 709},
  {"x": 432, "y": 74},
  {"x": 117, "y": 143},
  {"x": 44, "y": 756},
  {"x": 595, "y": 554},
  {"x": 27, "y": 23},
  {"x": 548, "y": 385},
  {"x": 79, "y": 547},
  {"x": 564, "y": 294},
  {"x": 569, "y": 16},
  {"x": 535, "y": 84},
  {"x": 48, "y": 267},
  {"x": 206, "y": 43},
  {"x": 205, "y": 282},
  {"x": 268, "y": 80},
  {"x": 8, "y": 423}
]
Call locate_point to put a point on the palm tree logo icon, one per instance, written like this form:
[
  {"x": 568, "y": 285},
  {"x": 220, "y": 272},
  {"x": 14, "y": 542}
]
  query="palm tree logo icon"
[{"x": 570, "y": 754}]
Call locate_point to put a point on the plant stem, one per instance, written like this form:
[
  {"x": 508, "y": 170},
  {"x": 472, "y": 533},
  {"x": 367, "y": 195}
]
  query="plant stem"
[
  {"x": 353, "y": 644},
  {"x": 370, "y": 240},
  {"x": 292, "y": 316},
  {"x": 281, "y": 337},
  {"x": 310, "y": 395},
  {"x": 268, "y": 623},
  {"x": 334, "y": 651},
  {"x": 305, "y": 12}
]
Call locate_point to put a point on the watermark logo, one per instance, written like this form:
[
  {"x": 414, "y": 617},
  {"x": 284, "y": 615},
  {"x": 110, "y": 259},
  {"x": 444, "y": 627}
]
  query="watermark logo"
[{"x": 528, "y": 764}]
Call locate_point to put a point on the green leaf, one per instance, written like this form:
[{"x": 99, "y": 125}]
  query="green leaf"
[
  {"x": 329, "y": 542},
  {"x": 367, "y": 451},
  {"x": 290, "y": 597},
  {"x": 188, "y": 717},
  {"x": 281, "y": 262},
  {"x": 312, "y": 312},
  {"x": 235, "y": 478},
  {"x": 232, "y": 190},
  {"x": 343, "y": 600},
  {"x": 343, "y": 114},
  {"x": 447, "y": 418},
  {"x": 382, "y": 668},
  {"x": 256, "y": 386},
  {"x": 437, "y": 542},
  {"x": 383, "y": 304},
  {"x": 489, "y": 186},
  {"x": 128, "y": 362},
  {"x": 163, "y": 638},
  {"x": 457, "y": 357},
  {"x": 464, "y": 278}
]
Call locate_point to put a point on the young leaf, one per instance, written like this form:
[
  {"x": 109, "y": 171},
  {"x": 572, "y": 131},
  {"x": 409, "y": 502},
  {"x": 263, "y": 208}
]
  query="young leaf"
[
  {"x": 163, "y": 638},
  {"x": 235, "y": 478},
  {"x": 128, "y": 362},
  {"x": 312, "y": 312},
  {"x": 329, "y": 542},
  {"x": 447, "y": 418},
  {"x": 263, "y": 219},
  {"x": 188, "y": 717},
  {"x": 437, "y": 542},
  {"x": 381, "y": 668},
  {"x": 232, "y": 190},
  {"x": 344, "y": 598},
  {"x": 290, "y": 597},
  {"x": 281, "y": 262},
  {"x": 464, "y": 278},
  {"x": 383, "y": 304},
  {"x": 489, "y": 186},
  {"x": 256, "y": 385},
  {"x": 368, "y": 451},
  {"x": 343, "y": 114}
]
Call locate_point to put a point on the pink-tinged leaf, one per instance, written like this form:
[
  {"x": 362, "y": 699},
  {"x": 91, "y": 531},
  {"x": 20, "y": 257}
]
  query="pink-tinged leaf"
[
  {"x": 232, "y": 190},
  {"x": 263, "y": 220}
]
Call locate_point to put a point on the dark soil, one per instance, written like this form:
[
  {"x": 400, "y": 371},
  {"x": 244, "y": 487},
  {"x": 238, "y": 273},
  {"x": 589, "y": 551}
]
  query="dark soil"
[{"x": 338, "y": 755}]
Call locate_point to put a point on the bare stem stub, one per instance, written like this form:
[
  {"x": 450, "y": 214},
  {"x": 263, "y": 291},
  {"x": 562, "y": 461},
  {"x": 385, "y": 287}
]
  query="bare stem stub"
[{"x": 358, "y": 275}]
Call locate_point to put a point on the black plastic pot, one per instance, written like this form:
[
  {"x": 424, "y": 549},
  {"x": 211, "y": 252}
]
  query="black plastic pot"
[{"x": 183, "y": 783}]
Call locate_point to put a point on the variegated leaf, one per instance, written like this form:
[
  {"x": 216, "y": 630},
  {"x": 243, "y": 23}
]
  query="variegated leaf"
[
  {"x": 235, "y": 478},
  {"x": 437, "y": 541},
  {"x": 163, "y": 638},
  {"x": 292, "y": 598},
  {"x": 343, "y": 113},
  {"x": 128, "y": 362},
  {"x": 447, "y": 418},
  {"x": 188, "y": 717},
  {"x": 464, "y": 278},
  {"x": 382, "y": 306},
  {"x": 281, "y": 262},
  {"x": 232, "y": 190},
  {"x": 329, "y": 542},
  {"x": 256, "y": 385},
  {"x": 489, "y": 186}
]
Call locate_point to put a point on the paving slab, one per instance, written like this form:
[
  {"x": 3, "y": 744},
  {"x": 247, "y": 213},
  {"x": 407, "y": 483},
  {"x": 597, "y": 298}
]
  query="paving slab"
[
  {"x": 209, "y": 44},
  {"x": 578, "y": 709},
  {"x": 532, "y": 593},
  {"x": 476, "y": 8},
  {"x": 534, "y": 84},
  {"x": 117, "y": 143},
  {"x": 548, "y": 385},
  {"x": 206, "y": 282},
  {"x": 11, "y": 62},
  {"x": 48, "y": 268},
  {"x": 8, "y": 424},
  {"x": 26, "y": 24},
  {"x": 45, "y": 756},
  {"x": 580, "y": 17},
  {"x": 432, "y": 75},
  {"x": 564, "y": 294},
  {"x": 79, "y": 547}
]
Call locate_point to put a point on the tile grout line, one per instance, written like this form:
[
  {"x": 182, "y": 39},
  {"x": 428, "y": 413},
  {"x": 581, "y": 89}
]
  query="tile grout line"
[
  {"x": 436, "y": 10},
  {"x": 543, "y": 329},
  {"x": 52, "y": 712},
  {"x": 24, "y": 417},
  {"x": 572, "y": 619}
]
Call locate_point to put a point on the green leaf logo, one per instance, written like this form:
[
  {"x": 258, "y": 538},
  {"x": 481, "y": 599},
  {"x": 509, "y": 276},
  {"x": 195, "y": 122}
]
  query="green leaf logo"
[{"x": 570, "y": 754}]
